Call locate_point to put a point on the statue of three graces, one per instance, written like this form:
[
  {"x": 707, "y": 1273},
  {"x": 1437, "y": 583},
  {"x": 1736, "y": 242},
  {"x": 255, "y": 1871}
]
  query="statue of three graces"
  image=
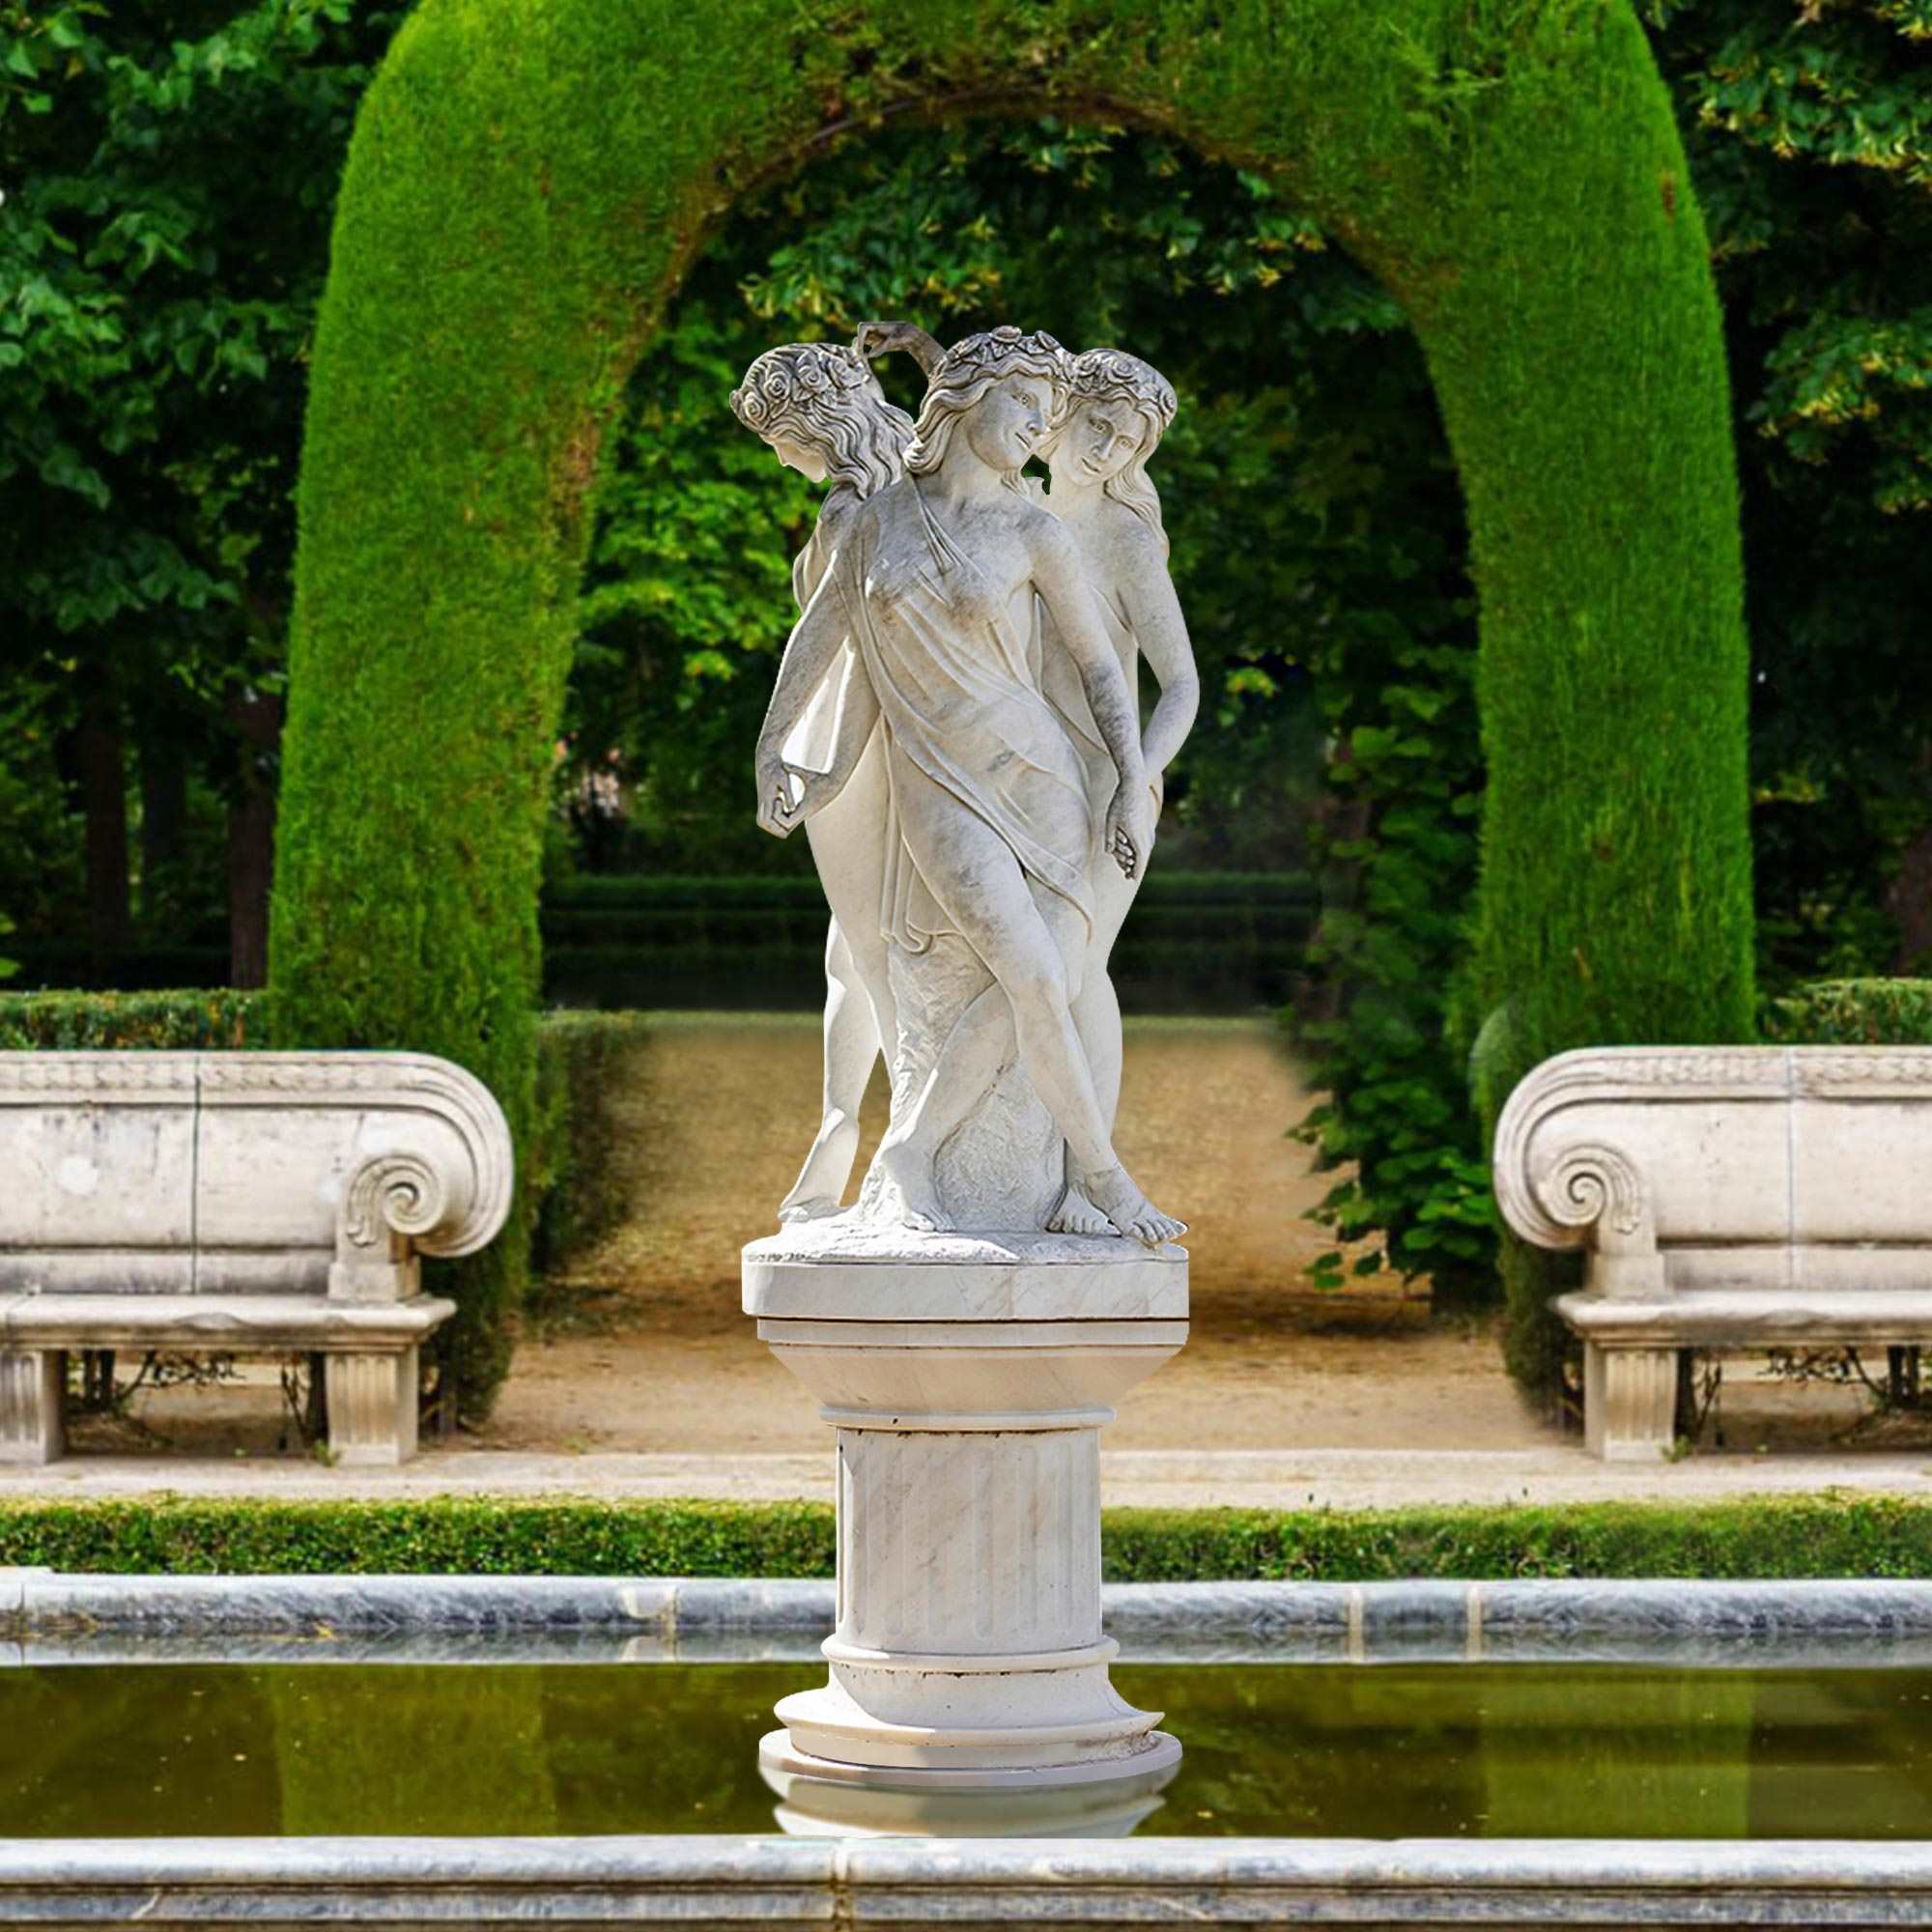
[{"x": 956, "y": 724}]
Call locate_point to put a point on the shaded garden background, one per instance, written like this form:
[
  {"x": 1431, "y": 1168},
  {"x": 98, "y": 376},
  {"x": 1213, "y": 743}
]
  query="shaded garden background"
[{"x": 163, "y": 246}]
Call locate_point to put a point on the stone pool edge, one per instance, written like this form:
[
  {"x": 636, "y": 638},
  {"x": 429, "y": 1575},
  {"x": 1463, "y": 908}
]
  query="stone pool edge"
[
  {"x": 48, "y": 1616},
  {"x": 985, "y": 1883}
]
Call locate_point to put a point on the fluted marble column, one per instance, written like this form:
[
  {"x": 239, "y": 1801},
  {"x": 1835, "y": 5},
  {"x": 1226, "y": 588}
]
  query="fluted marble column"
[{"x": 968, "y": 1392}]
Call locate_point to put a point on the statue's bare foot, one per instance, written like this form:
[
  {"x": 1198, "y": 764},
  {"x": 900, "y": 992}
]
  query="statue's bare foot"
[
  {"x": 1077, "y": 1215},
  {"x": 1129, "y": 1211},
  {"x": 909, "y": 1192},
  {"x": 821, "y": 1182},
  {"x": 807, "y": 1208}
]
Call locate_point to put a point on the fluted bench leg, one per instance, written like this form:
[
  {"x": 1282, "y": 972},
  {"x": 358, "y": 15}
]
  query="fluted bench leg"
[
  {"x": 372, "y": 1409},
  {"x": 1629, "y": 1402},
  {"x": 32, "y": 1383}
]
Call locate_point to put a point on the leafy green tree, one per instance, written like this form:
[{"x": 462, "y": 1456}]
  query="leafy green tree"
[
  {"x": 163, "y": 240},
  {"x": 1810, "y": 135}
]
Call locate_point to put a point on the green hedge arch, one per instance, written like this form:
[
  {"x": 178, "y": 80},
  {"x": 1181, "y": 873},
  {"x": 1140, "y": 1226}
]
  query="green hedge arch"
[{"x": 528, "y": 179}]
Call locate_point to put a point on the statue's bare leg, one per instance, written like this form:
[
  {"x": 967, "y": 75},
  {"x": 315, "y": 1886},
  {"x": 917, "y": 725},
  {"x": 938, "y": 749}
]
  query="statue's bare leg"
[
  {"x": 848, "y": 845},
  {"x": 1096, "y": 1012},
  {"x": 851, "y": 1046},
  {"x": 978, "y": 1050},
  {"x": 976, "y": 878}
]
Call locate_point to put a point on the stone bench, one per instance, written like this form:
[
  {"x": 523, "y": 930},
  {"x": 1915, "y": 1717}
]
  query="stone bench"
[
  {"x": 238, "y": 1202},
  {"x": 1727, "y": 1198}
]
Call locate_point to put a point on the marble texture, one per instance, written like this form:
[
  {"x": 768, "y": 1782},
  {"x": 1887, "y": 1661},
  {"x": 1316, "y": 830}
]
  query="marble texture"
[
  {"x": 981, "y": 1883},
  {"x": 967, "y": 1640},
  {"x": 1726, "y": 1197},
  {"x": 1817, "y": 1624},
  {"x": 264, "y": 1202},
  {"x": 955, "y": 722},
  {"x": 32, "y": 1384},
  {"x": 960, "y": 1277}
]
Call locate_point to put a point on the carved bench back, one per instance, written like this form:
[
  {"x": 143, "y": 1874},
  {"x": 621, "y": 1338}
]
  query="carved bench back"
[
  {"x": 1807, "y": 1167},
  {"x": 204, "y": 1173}
]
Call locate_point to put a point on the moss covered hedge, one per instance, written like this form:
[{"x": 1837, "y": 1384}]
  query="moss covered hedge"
[
  {"x": 1768, "y": 1537},
  {"x": 527, "y": 182}
]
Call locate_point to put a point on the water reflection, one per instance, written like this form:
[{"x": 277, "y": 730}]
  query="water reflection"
[
  {"x": 1384, "y": 1751},
  {"x": 819, "y": 1800}
]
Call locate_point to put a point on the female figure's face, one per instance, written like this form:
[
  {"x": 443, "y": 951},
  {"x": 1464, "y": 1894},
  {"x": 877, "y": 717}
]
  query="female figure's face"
[
  {"x": 1005, "y": 426},
  {"x": 805, "y": 458},
  {"x": 1099, "y": 441}
]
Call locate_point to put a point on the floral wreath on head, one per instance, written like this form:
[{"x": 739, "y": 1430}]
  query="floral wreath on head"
[
  {"x": 825, "y": 394},
  {"x": 800, "y": 382},
  {"x": 968, "y": 370},
  {"x": 1111, "y": 375},
  {"x": 995, "y": 350}
]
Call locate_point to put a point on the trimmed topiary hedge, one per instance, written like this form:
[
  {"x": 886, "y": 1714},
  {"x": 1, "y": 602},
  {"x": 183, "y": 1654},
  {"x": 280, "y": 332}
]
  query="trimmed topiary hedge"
[
  {"x": 1195, "y": 942},
  {"x": 1512, "y": 173},
  {"x": 1755, "y": 1537},
  {"x": 199, "y": 1017},
  {"x": 1853, "y": 1012},
  {"x": 582, "y": 1059}
]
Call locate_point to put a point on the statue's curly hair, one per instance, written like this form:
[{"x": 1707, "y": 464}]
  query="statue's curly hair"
[
  {"x": 825, "y": 393},
  {"x": 967, "y": 371},
  {"x": 1111, "y": 376}
]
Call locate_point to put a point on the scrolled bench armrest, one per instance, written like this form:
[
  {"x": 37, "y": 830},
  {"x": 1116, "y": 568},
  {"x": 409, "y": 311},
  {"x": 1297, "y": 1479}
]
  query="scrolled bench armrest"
[
  {"x": 447, "y": 1197},
  {"x": 1585, "y": 1193},
  {"x": 398, "y": 1205}
]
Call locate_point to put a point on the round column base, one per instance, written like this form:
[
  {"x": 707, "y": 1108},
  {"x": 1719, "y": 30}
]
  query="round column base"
[{"x": 1098, "y": 1799}]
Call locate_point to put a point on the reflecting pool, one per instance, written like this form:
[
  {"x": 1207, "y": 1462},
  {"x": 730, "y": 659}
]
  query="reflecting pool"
[{"x": 1393, "y": 1751}]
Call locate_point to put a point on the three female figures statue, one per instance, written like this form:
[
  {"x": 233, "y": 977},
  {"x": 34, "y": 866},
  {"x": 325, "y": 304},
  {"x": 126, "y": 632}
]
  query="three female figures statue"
[{"x": 956, "y": 724}]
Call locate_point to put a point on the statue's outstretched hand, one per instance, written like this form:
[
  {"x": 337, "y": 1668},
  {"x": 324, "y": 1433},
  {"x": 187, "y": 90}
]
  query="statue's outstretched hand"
[
  {"x": 777, "y": 814},
  {"x": 791, "y": 794},
  {"x": 1128, "y": 835}
]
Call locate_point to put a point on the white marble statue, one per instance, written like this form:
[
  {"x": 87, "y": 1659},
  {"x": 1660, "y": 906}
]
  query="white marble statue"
[
  {"x": 821, "y": 410},
  {"x": 1097, "y": 458},
  {"x": 956, "y": 721}
]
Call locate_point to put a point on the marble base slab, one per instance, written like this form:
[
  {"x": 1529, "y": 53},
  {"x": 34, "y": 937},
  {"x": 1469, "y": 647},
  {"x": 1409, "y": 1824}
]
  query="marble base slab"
[
  {"x": 968, "y": 1377},
  {"x": 845, "y": 1270}
]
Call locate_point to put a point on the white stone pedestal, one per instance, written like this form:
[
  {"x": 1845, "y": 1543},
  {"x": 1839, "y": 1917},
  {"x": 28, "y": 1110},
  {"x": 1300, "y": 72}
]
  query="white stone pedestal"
[{"x": 968, "y": 1379}]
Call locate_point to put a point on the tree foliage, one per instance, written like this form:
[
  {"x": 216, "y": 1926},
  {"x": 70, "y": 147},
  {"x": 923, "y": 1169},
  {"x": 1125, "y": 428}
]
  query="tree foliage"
[
  {"x": 1810, "y": 136},
  {"x": 162, "y": 245},
  {"x": 163, "y": 240}
]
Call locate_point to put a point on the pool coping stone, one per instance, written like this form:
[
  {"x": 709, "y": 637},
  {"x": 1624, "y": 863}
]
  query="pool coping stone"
[
  {"x": 50, "y": 1617},
  {"x": 962, "y": 1882}
]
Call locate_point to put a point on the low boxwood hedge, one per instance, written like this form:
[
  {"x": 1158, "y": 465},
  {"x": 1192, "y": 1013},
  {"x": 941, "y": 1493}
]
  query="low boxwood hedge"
[
  {"x": 1828, "y": 1535},
  {"x": 1852, "y": 1012},
  {"x": 204, "y": 1017},
  {"x": 582, "y": 1064}
]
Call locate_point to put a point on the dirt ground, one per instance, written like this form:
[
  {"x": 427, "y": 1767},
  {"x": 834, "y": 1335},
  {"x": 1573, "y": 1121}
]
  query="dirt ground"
[
  {"x": 646, "y": 1349},
  {"x": 643, "y": 1349}
]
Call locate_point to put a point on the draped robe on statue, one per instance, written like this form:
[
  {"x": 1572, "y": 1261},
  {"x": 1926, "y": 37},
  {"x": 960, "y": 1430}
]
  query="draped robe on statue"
[{"x": 961, "y": 704}]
